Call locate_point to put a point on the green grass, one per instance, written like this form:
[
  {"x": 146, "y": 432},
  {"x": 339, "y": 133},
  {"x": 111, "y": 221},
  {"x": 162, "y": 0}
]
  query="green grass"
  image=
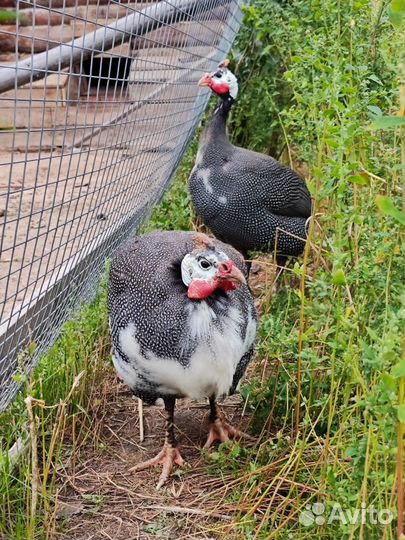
[
  {"x": 174, "y": 211},
  {"x": 65, "y": 390},
  {"x": 317, "y": 80},
  {"x": 9, "y": 17}
]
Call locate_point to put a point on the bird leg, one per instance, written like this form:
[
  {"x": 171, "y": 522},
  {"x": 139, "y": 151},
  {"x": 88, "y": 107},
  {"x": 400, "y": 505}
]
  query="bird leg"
[
  {"x": 170, "y": 454},
  {"x": 220, "y": 430},
  {"x": 140, "y": 415},
  {"x": 281, "y": 261}
]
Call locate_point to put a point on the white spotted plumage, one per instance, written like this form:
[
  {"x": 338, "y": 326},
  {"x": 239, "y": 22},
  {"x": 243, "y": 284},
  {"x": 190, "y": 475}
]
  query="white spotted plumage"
[
  {"x": 204, "y": 176},
  {"x": 211, "y": 367},
  {"x": 248, "y": 200},
  {"x": 166, "y": 344}
]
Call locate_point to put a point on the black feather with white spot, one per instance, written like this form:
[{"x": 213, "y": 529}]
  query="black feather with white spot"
[
  {"x": 162, "y": 340},
  {"x": 248, "y": 199}
]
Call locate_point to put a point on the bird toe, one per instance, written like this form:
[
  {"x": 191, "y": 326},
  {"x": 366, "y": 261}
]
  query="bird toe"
[
  {"x": 167, "y": 457},
  {"x": 222, "y": 431}
]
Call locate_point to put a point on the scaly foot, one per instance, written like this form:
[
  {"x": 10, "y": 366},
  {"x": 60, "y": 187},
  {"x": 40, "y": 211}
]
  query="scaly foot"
[
  {"x": 222, "y": 431},
  {"x": 167, "y": 457}
]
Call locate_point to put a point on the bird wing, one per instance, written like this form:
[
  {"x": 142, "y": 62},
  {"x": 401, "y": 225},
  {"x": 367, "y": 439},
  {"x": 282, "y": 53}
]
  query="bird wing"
[
  {"x": 240, "y": 370},
  {"x": 279, "y": 188}
]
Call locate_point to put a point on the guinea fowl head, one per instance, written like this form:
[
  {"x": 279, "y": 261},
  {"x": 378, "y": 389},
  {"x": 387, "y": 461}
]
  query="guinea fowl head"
[
  {"x": 222, "y": 82},
  {"x": 207, "y": 269}
]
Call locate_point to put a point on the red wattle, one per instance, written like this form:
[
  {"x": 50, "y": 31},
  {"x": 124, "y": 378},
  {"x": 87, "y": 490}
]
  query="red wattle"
[
  {"x": 220, "y": 88},
  {"x": 228, "y": 286},
  {"x": 200, "y": 289}
]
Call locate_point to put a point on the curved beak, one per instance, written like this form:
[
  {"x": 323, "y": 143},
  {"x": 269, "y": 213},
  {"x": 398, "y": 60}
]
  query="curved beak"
[
  {"x": 205, "y": 80},
  {"x": 228, "y": 271}
]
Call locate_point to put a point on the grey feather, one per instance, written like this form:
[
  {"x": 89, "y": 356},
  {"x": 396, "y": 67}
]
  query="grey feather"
[
  {"x": 147, "y": 297},
  {"x": 248, "y": 199}
]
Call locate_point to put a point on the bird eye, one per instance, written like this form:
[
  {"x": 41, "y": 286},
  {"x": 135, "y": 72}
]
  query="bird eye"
[
  {"x": 218, "y": 74},
  {"x": 204, "y": 264}
]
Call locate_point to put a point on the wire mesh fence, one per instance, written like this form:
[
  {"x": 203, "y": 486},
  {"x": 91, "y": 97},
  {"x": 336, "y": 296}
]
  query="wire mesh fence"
[{"x": 98, "y": 101}]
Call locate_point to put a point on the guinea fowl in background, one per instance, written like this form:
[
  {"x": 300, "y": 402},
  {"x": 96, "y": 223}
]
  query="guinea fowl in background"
[
  {"x": 247, "y": 199},
  {"x": 183, "y": 323}
]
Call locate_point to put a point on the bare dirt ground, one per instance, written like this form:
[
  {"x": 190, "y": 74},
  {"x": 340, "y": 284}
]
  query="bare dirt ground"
[{"x": 101, "y": 498}]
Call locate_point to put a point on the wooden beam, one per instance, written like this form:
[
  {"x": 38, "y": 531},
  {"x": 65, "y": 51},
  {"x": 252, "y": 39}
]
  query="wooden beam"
[{"x": 103, "y": 39}]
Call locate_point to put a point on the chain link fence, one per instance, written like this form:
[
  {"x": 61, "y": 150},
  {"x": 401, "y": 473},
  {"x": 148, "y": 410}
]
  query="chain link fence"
[{"x": 98, "y": 102}]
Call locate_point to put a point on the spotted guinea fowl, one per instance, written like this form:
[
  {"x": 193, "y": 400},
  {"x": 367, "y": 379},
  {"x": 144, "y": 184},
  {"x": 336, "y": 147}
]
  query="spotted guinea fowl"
[
  {"x": 183, "y": 323},
  {"x": 247, "y": 199}
]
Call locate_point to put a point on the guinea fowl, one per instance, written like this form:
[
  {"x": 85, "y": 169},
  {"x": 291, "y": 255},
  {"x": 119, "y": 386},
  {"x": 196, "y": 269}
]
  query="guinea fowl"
[
  {"x": 247, "y": 199},
  {"x": 183, "y": 323}
]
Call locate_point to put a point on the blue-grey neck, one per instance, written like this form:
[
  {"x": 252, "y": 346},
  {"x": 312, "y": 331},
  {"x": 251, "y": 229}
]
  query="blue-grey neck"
[{"x": 215, "y": 136}]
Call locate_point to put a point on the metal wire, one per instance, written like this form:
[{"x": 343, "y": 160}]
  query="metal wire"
[{"x": 98, "y": 102}]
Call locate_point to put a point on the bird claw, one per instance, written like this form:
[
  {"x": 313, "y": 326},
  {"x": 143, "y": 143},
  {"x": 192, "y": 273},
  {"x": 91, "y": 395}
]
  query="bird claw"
[
  {"x": 222, "y": 431},
  {"x": 168, "y": 457}
]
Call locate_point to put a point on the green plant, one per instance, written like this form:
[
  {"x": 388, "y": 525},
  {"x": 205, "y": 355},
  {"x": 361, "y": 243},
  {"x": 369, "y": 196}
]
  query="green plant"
[
  {"x": 174, "y": 211},
  {"x": 61, "y": 396},
  {"x": 319, "y": 87},
  {"x": 9, "y": 17}
]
